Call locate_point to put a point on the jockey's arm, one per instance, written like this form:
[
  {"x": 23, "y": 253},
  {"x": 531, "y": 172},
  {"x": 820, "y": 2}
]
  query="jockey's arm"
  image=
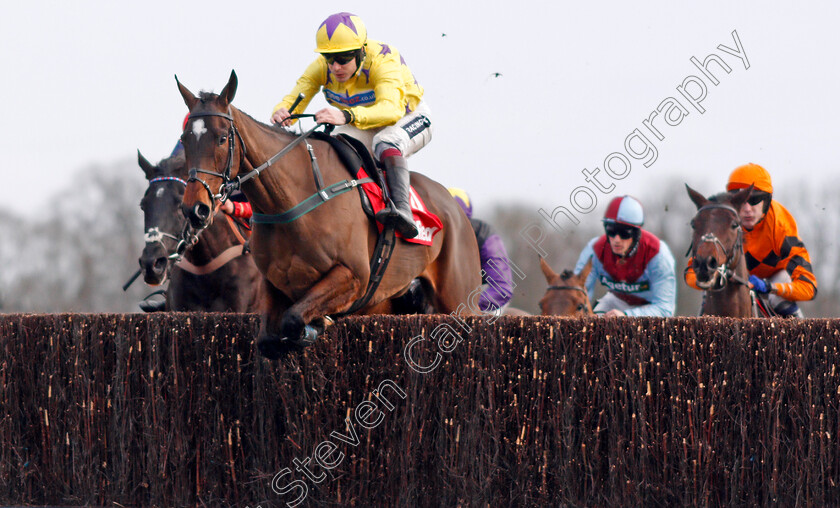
[
  {"x": 494, "y": 262},
  {"x": 240, "y": 209},
  {"x": 586, "y": 254},
  {"x": 308, "y": 84},
  {"x": 663, "y": 282},
  {"x": 803, "y": 285},
  {"x": 390, "y": 104}
]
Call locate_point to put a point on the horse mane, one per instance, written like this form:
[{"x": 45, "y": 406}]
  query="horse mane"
[
  {"x": 206, "y": 97},
  {"x": 566, "y": 274},
  {"x": 721, "y": 197},
  {"x": 172, "y": 164}
]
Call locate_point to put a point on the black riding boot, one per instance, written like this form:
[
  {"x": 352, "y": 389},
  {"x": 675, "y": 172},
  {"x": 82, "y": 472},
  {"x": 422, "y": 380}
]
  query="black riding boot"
[{"x": 398, "y": 209}]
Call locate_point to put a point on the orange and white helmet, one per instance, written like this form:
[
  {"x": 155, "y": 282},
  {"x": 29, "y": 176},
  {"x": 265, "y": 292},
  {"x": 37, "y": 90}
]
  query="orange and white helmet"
[
  {"x": 750, "y": 174},
  {"x": 339, "y": 33}
]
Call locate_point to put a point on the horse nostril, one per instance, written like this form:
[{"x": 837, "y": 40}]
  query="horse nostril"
[
  {"x": 712, "y": 262},
  {"x": 160, "y": 265},
  {"x": 199, "y": 214}
]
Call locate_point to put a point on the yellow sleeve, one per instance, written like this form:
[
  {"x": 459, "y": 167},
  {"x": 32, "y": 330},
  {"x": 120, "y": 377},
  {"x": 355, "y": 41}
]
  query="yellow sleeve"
[
  {"x": 387, "y": 80},
  {"x": 308, "y": 84}
]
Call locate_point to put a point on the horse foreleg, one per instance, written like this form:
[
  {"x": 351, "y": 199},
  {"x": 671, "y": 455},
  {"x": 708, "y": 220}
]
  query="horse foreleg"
[
  {"x": 335, "y": 292},
  {"x": 269, "y": 339}
]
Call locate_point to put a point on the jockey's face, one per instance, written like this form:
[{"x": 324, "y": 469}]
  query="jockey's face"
[
  {"x": 619, "y": 245},
  {"x": 751, "y": 214},
  {"x": 342, "y": 72},
  {"x": 620, "y": 237}
]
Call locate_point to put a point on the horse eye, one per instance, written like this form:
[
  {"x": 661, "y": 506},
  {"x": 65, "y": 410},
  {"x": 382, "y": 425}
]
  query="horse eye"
[
  {"x": 581, "y": 307},
  {"x": 222, "y": 140},
  {"x": 691, "y": 223},
  {"x": 734, "y": 225}
]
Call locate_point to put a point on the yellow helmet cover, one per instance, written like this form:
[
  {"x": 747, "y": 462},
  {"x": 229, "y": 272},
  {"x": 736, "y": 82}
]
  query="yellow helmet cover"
[{"x": 340, "y": 32}]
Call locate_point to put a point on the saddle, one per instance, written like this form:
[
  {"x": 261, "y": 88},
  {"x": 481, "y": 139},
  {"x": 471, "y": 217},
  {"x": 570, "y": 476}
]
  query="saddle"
[{"x": 356, "y": 158}]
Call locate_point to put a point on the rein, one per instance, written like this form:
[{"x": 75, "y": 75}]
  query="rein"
[
  {"x": 727, "y": 269},
  {"x": 386, "y": 240},
  {"x": 229, "y": 185}
]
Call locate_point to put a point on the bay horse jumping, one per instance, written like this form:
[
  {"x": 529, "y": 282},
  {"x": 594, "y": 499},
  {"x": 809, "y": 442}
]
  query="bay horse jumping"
[
  {"x": 209, "y": 272},
  {"x": 318, "y": 263},
  {"x": 566, "y": 294},
  {"x": 717, "y": 253}
]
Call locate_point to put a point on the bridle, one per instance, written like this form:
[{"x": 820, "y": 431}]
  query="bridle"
[
  {"x": 575, "y": 288},
  {"x": 185, "y": 240},
  {"x": 227, "y": 186},
  {"x": 563, "y": 288},
  {"x": 732, "y": 256}
]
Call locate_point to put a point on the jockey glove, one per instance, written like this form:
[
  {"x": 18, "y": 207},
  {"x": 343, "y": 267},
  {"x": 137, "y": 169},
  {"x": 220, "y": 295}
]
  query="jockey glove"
[{"x": 760, "y": 285}]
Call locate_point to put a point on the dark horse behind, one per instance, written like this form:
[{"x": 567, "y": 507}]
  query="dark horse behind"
[
  {"x": 317, "y": 264},
  {"x": 717, "y": 253},
  {"x": 208, "y": 272}
]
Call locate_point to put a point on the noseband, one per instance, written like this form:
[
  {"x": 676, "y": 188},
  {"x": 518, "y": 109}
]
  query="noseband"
[
  {"x": 732, "y": 256},
  {"x": 183, "y": 242}
]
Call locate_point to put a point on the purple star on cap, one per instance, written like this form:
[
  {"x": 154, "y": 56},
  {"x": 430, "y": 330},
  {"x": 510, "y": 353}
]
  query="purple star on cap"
[
  {"x": 342, "y": 18},
  {"x": 385, "y": 49}
]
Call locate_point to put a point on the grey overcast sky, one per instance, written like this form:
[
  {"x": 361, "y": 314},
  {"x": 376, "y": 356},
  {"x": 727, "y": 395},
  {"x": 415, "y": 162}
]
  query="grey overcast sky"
[{"x": 90, "y": 82}]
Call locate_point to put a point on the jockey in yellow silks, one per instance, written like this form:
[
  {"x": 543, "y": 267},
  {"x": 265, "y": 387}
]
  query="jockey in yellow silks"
[{"x": 374, "y": 98}]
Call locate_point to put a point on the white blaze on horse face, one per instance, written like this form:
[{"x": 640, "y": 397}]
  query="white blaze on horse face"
[
  {"x": 198, "y": 129},
  {"x": 159, "y": 193}
]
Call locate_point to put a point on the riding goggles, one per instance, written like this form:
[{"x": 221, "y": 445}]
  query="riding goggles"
[
  {"x": 756, "y": 197},
  {"x": 624, "y": 232},
  {"x": 342, "y": 58}
]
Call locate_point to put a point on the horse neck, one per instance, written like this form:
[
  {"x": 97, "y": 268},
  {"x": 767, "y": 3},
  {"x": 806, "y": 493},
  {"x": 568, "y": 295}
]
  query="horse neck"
[
  {"x": 213, "y": 241},
  {"x": 285, "y": 183}
]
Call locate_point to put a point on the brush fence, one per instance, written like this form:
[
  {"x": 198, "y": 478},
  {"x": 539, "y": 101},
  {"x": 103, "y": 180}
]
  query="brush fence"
[{"x": 177, "y": 410}]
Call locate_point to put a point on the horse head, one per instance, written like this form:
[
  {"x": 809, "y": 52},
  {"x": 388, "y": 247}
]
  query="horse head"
[
  {"x": 717, "y": 238},
  {"x": 214, "y": 151},
  {"x": 163, "y": 221},
  {"x": 566, "y": 294}
]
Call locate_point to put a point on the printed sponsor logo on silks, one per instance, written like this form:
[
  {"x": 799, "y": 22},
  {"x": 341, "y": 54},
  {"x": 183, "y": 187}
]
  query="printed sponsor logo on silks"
[
  {"x": 416, "y": 126},
  {"x": 626, "y": 287},
  {"x": 351, "y": 100}
]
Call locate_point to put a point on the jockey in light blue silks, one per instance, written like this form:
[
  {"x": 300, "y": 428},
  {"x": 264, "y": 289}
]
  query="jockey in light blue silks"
[{"x": 636, "y": 267}]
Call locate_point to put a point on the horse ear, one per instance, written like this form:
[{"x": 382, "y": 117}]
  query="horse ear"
[
  {"x": 550, "y": 274},
  {"x": 741, "y": 197},
  {"x": 699, "y": 199},
  {"x": 145, "y": 165},
  {"x": 584, "y": 273},
  {"x": 229, "y": 90},
  {"x": 189, "y": 98}
]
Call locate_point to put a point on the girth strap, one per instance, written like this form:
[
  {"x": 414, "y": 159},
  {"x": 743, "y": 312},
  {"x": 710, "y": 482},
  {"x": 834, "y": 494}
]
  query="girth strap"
[{"x": 308, "y": 204}]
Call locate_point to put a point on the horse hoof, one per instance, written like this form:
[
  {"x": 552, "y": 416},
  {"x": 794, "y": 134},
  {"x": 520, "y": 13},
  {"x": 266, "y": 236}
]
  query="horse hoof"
[
  {"x": 292, "y": 326},
  {"x": 273, "y": 347}
]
